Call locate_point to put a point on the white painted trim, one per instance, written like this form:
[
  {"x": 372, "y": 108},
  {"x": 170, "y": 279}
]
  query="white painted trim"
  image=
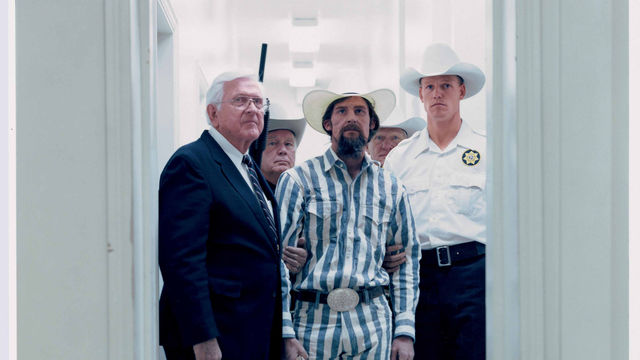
[
  {"x": 529, "y": 134},
  {"x": 169, "y": 16},
  {"x": 620, "y": 336},
  {"x": 503, "y": 320},
  {"x": 119, "y": 99},
  {"x": 146, "y": 174},
  {"x": 8, "y": 290}
]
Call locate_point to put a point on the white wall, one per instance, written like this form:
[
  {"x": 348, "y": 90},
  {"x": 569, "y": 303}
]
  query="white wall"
[{"x": 61, "y": 180}]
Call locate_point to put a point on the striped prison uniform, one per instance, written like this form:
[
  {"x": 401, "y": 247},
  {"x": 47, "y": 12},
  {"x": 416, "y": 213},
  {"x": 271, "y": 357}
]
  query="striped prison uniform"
[{"x": 347, "y": 224}]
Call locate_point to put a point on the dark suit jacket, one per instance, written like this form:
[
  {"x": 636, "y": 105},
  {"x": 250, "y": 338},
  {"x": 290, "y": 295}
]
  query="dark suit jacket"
[{"x": 221, "y": 268}]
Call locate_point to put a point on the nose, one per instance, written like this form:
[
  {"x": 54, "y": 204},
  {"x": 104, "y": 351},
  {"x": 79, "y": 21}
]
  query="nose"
[
  {"x": 437, "y": 92},
  {"x": 282, "y": 149}
]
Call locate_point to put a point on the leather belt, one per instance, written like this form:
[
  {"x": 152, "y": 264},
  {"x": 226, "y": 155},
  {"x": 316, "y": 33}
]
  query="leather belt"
[
  {"x": 443, "y": 256},
  {"x": 363, "y": 296}
]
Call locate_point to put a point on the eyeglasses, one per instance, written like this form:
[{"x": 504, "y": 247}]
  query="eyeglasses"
[{"x": 242, "y": 102}]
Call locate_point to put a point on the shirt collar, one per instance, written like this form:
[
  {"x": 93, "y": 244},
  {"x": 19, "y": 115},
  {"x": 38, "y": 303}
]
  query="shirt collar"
[
  {"x": 465, "y": 138},
  {"x": 234, "y": 154},
  {"x": 331, "y": 159}
]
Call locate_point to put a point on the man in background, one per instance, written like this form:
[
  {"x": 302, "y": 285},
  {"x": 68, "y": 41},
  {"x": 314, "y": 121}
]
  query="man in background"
[
  {"x": 391, "y": 133},
  {"x": 283, "y": 137}
]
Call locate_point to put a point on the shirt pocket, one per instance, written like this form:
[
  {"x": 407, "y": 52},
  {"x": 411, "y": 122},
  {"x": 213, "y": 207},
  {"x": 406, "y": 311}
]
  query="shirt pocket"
[
  {"x": 466, "y": 193},
  {"x": 418, "y": 194},
  {"x": 376, "y": 226},
  {"x": 322, "y": 223}
]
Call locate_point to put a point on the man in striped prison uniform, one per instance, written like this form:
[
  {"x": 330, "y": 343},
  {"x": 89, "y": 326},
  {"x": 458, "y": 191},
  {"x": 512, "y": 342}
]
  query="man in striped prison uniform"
[{"x": 349, "y": 210}]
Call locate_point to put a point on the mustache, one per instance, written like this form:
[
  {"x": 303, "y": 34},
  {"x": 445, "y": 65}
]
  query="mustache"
[{"x": 351, "y": 127}]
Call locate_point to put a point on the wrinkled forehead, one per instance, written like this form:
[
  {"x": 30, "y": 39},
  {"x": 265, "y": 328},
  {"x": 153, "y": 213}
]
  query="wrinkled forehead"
[
  {"x": 439, "y": 78},
  {"x": 242, "y": 86},
  {"x": 281, "y": 134},
  {"x": 388, "y": 131}
]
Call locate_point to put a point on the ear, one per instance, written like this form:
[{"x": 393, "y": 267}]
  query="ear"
[
  {"x": 463, "y": 91},
  {"x": 326, "y": 125},
  {"x": 212, "y": 111}
]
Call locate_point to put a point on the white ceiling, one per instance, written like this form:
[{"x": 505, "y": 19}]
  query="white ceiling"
[{"x": 354, "y": 35}]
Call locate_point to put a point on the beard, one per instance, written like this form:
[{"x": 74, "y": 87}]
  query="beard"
[{"x": 351, "y": 147}]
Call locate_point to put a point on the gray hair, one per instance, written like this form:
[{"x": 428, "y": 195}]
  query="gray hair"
[{"x": 216, "y": 91}]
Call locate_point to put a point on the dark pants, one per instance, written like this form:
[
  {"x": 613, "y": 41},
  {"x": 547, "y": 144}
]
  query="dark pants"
[
  {"x": 179, "y": 353},
  {"x": 450, "y": 317}
]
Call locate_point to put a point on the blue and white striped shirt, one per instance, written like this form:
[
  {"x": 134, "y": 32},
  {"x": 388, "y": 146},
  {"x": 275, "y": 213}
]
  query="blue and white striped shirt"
[{"x": 347, "y": 224}]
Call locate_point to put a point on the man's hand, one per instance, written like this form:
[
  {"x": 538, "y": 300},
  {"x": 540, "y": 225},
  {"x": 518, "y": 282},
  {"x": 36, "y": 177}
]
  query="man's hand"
[
  {"x": 394, "y": 257},
  {"x": 208, "y": 350},
  {"x": 295, "y": 257},
  {"x": 293, "y": 350},
  {"x": 402, "y": 348}
]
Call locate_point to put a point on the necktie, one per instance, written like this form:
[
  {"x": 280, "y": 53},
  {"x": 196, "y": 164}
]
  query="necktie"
[{"x": 257, "y": 190}]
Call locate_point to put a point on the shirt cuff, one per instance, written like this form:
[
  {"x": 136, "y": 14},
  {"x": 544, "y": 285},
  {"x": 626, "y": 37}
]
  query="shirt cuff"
[
  {"x": 405, "y": 325},
  {"x": 287, "y": 326}
]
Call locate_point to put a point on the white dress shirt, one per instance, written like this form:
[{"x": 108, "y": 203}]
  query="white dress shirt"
[
  {"x": 236, "y": 158},
  {"x": 447, "y": 193}
]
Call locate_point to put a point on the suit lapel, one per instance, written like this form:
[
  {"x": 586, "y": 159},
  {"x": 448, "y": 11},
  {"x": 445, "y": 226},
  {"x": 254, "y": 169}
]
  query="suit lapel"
[{"x": 235, "y": 179}]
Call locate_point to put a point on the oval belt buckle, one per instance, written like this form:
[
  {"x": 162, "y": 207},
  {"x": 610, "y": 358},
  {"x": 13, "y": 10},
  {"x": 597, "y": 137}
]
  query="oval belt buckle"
[{"x": 343, "y": 299}]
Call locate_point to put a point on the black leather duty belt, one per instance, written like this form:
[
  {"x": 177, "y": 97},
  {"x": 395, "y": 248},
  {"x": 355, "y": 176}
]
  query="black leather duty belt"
[
  {"x": 443, "y": 256},
  {"x": 365, "y": 295}
]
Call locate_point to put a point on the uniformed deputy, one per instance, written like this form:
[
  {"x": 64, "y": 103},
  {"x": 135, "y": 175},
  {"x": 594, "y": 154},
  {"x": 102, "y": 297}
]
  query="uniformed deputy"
[{"x": 444, "y": 170}]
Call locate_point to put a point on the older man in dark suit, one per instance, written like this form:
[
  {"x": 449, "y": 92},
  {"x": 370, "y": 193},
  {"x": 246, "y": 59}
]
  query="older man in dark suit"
[{"x": 218, "y": 238}]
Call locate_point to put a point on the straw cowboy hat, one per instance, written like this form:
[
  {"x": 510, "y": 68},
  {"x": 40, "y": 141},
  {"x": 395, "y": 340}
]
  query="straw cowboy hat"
[
  {"x": 315, "y": 104},
  {"x": 280, "y": 119},
  {"x": 440, "y": 59},
  {"x": 410, "y": 125}
]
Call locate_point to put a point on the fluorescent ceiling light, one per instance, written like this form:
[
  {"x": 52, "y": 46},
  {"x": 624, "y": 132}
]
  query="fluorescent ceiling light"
[{"x": 304, "y": 21}]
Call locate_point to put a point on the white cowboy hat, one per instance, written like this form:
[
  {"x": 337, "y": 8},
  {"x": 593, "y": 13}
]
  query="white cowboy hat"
[
  {"x": 280, "y": 119},
  {"x": 315, "y": 104},
  {"x": 440, "y": 59},
  {"x": 410, "y": 125}
]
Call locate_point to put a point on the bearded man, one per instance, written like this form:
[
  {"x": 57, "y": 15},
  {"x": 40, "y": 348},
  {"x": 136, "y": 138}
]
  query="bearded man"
[{"x": 348, "y": 209}]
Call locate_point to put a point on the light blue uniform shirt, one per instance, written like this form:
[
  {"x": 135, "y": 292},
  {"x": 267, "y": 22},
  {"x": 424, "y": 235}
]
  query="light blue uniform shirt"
[{"x": 347, "y": 224}]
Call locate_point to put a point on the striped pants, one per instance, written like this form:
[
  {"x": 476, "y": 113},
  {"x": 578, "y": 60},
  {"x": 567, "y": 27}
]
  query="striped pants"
[{"x": 362, "y": 333}]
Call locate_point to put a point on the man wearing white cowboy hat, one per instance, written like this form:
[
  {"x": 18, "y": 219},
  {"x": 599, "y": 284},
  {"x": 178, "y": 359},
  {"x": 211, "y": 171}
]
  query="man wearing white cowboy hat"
[
  {"x": 444, "y": 170},
  {"x": 391, "y": 132},
  {"x": 283, "y": 137},
  {"x": 349, "y": 209}
]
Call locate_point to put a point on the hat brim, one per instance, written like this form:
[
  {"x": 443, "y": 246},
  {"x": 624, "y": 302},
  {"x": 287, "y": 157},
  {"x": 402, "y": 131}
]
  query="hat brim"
[
  {"x": 315, "y": 104},
  {"x": 472, "y": 75},
  {"x": 410, "y": 126},
  {"x": 296, "y": 126}
]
